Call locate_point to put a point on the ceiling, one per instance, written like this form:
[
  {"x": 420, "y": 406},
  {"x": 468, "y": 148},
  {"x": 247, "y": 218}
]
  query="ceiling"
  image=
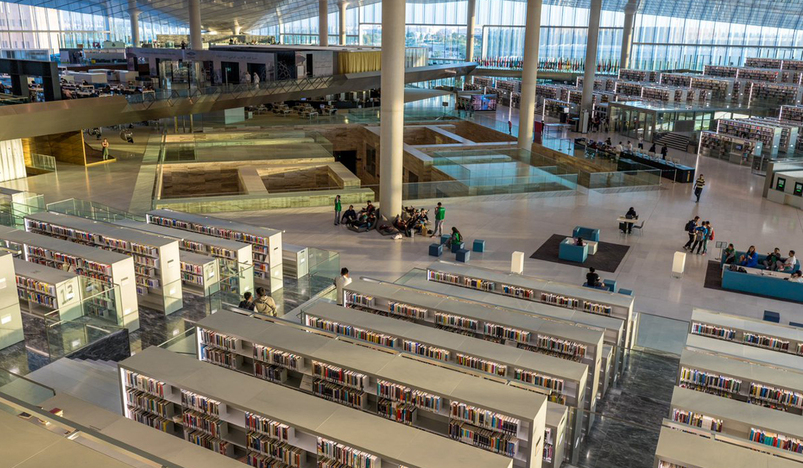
[{"x": 225, "y": 15}]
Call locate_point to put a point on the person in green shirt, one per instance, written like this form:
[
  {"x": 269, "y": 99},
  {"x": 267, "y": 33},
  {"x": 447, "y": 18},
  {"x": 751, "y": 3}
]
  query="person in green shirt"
[
  {"x": 440, "y": 215},
  {"x": 338, "y": 208},
  {"x": 456, "y": 237},
  {"x": 729, "y": 254}
]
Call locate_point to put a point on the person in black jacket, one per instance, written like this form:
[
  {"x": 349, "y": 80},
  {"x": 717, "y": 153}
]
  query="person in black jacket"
[
  {"x": 664, "y": 152},
  {"x": 691, "y": 227},
  {"x": 247, "y": 302},
  {"x": 592, "y": 278},
  {"x": 349, "y": 216}
]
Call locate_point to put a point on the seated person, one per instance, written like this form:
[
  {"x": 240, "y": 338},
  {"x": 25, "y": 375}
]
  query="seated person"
[
  {"x": 361, "y": 221},
  {"x": 773, "y": 259},
  {"x": 631, "y": 214},
  {"x": 592, "y": 278},
  {"x": 349, "y": 216},
  {"x": 579, "y": 242},
  {"x": 789, "y": 264},
  {"x": 420, "y": 220},
  {"x": 750, "y": 258},
  {"x": 797, "y": 277},
  {"x": 729, "y": 254},
  {"x": 455, "y": 239},
  {"x": 402, "y": 225},
  {"x": 372, "y": 220},
  {"x": 370, "y": 208}
]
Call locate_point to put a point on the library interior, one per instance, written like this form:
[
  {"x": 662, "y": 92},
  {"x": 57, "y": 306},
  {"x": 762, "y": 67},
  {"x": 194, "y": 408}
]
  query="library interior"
[{"x": 401, "y": 233}]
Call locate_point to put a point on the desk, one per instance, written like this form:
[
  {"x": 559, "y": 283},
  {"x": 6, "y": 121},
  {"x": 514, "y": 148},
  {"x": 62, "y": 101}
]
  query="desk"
[
  {"x": 622, "y": 219},
  {"x": 669, "y": 170}
]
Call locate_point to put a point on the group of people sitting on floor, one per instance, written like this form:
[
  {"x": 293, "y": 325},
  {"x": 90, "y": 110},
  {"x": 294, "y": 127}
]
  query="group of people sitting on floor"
[
  {"x": 412, "y": 220},
  {"x": 363, "y": 221},
  {"x": 773, "y": 261}
]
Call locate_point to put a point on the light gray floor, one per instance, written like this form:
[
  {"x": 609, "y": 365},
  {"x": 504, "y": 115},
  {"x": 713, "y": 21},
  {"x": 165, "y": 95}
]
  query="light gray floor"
[{"x": 93, "y": 381}]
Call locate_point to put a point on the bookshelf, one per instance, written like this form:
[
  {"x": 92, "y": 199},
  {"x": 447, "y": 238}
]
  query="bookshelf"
[
  {"x": 232, "y": 256},
  {"x": 564, "y": 382},
  {"x": 310, "y": 430},
  {"x": 600, "y": 84},
  {"x": 758, "y": 74},
  {"x": 157, "y": 268},
  {"x": 628, "y": 88},
  {"x": 733, "y": 418},
  {"x": 110, "y": 268},
  {"x": 664, "y": 93},
  {"x": 745, "y": 381},
  {"x": 266, "y": 244},
  {"x": 389, "y": 385},
  {"x": 554, "y": 108},
  {"x": 747, "y": 331},
  {"x": 792, "y": 113},
  {"x": 676, "y": 79},
  {"x": 777, "y": 93},
  {"x": 759, "y": 350},
  {"x": 792, "y": 77},
  {"x": 565, "y": 341},
  {"x": 569, "y": 296},
  {"x": 42, "y": 290},
  {"x": 720, "y": 88},
  {"x": 557, "y": 417},
  {"x": 721, "y": 71},
  {"x": 510, "y": 86},
  {"x": 792, "y": 65},
  {"x": 200, "y": 274},
  {"x": 296, "y": 261},
  {"x": 768, "y": 135},
  {"x": 758, "y": 62},
  {"x": 10, "y": 316},
  {"x": 681, "y": 449},
  {"x": 638, "y": 75},
  {"x": 789, "y": 132},
  {"x": 730, "y": 148}
]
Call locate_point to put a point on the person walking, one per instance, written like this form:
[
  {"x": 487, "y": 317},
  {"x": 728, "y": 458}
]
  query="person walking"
[
  {"x": 509, "y": 127},
  {"x": 440, "y": 215},
  {"x": 699, "y": 236},
  {"x": 341, "y": 282},
  {"x": 690, "y": 228},
  {"x": 338, "y": 209},
  {"x": 698, "y": 187},
  {"x": 664, "y": 152},
  {"x": 104, "y": 149}
]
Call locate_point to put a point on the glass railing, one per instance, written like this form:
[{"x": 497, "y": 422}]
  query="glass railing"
[
  {"x": 43, "y": 162},
  {"x": 13, "y": 214},
  {"x": 91, "y": 210},
  {"x": 23, "y": 389}
]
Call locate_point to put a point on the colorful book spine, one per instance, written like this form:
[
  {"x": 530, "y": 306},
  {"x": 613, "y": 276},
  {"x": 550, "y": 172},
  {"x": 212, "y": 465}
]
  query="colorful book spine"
[
  {"x": 339, "y": 375},
  {"x": 776, "y": 440},
  {"x": 705, "y": 380},
  {"x": 481, "y": 364},
  {"x": 456, "y": 321},
  {"x": 563, "y": 347},
  {"x": 354, "y": 332},
  {"x": 562, "y": 301},
  {"x": 206, "y": 441},
  {"x": 517, "y": 291},
  {"x": 274, "y": 356},
  {"x": 339, "y": 393},
  {"x": 507, "y": 333},
  {"x": 359, "y": 299},
  {"x": 779, "y": 396},
  {"x": 268, "y": 427},
  {"x": 346, "y": 455},
  {"x": 150, "y": 419},
  {"x": 219, "y": 357},
  {"x": 426, "y": 350},
  {"x": 535, "y": 378},
  {"x": 711, "y": 330},
  {"x": 698, "y": 420},
  {"x": 484, "y": 418},
  {"x": 218, "y": 339},
  {"x": 768, "y": 342},
  {"x": 480, "y": 284},
  {"x": 197, "y": 421},
  {"x": 200, "y": 403},
  {"x": 146, "y": 384},
  {"x": 443, "y": 277},
  {"x": 400, "y": 412},
  {"x": 406, "y": 310},
  {"x": 270, "y": 372},
  {"x": 486, "y": 439}
]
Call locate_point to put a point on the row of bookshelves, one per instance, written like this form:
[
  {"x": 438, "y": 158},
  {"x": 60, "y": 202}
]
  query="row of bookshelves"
[
  {"x": 707, "y": 380},
  {"x": 698, "y": 420},
  {"x": 773, "y": 337},
  {"x": 489, "y": 440},
  {"x": 775, "y": 440}
]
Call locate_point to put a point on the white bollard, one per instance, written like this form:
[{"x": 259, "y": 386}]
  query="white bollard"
[{"x": 517, "y": 262}]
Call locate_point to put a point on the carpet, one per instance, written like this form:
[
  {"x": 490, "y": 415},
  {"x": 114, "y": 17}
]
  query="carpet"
[
  {"x": 713, "y": 280},
  {"x": 607, "y": 258}
]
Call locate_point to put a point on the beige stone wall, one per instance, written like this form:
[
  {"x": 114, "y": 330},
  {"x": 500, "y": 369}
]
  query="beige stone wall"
[{"x": 201, "y": 181}]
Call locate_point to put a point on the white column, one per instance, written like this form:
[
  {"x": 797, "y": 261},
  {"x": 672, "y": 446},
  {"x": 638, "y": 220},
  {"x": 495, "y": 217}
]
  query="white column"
[
  {"x": 196, "y": 43},
  {"x": 471, "y": 22},
  {"x": 627, "y": 36},
  {"x": 591, "y": 56},
  {"x": 529, "y": 74},
  {"x": 392, "y": 109},
  {"x": 133, "y": 15},
  {"x": 323, "y": 22},
  {"x": 342, "y": 19}
]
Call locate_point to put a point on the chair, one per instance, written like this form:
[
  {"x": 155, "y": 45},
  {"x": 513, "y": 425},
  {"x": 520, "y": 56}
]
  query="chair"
[
  {"x": 463, "y": 255},
  {"x": 770, "y": 316},
  {"x": 435, "y": 250},
  {"x": 795, "y": 324},
  {"x": 626, "y": 292},
  {"x": 457, "y": 246},
  {"x": 479, "y": 245},
  {"x": 610, "y": 285},
  {"x": 639, "y": 227}
]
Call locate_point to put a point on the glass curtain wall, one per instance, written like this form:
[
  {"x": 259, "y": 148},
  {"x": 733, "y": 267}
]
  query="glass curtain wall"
[{"x": 32, "y": 27}]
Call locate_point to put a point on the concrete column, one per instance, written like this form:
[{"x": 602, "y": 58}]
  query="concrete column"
[
  {"x": 196, "y": 43},
  {"x": 591, "y": 55},
  {"x": 627, "y": 36},
  {"x": 471, "y": 22},
  {"x": 133, "y": 14},
  {"x": 342, "y": 19},
  {"x": 392, "y": 109},
  {"x": 529, "y": 74},
  {"x": 323, "y": 22}
]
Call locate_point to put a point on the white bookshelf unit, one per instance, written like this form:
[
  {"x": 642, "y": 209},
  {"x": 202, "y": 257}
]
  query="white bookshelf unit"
[
  {"x": 390, "y": 385},
  {"x": 44, "y": 290},
  {"x": 200, "y": 274},
  {"x": 295, "y": 261},
  {"x": 748, "y": 353},
  {"x": 791, "y": 113},
  {"x": 750, "y": 332},
  {"x": 679, "y": 449},
  {"x": 10, "y": 315},
  {"x": 564, "y": 382},
  {"x": 232, "y": 256},
  {"x": 578, "y": 344},
  {"x": 273, "y": 423},
  {"x": 745, "y": 381},
  {"x": 588, "y": 300},
  {"x": 157, "y": 267},
  {"x": 266, "y": 244},
  {"x": 758, "y": 427},
  {"x": 109, "y": 268}
]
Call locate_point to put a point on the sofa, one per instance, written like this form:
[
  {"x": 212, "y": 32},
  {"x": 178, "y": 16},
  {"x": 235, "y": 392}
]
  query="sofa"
[
  {"x": 573, "y": 253},
  {"x": 761, "y": 259},
  {"x": 592, "y": 246},
  {"x": 768, "y": 286},
  {"x": 586, "y": 233}
]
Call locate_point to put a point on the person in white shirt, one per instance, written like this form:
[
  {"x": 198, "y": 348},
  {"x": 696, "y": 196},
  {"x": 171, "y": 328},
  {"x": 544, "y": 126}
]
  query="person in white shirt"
[
  {"x": 619, "y": 147},
  {"x": 629, "y": 145},
  {"x": 789, "y": 263},
  {"x": 341, "y": 282},
  {"x": 797, "y": 277}
]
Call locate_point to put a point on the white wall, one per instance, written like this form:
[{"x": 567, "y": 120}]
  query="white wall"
[{"x": 12, "y": 160}]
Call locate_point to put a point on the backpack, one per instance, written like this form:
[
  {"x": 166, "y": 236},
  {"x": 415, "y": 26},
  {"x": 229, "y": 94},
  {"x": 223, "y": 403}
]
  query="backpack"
[
  {"x": 711, "y": 235},
  {"x": 690, "y": 226}
]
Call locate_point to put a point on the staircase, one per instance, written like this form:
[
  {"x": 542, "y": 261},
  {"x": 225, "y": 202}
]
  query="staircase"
[
  {"x": 672, "y": 140},
  {"x": 89, "y": 380}
]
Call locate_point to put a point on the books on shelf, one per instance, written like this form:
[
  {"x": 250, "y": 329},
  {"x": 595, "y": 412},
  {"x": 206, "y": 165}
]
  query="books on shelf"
[
  {"x": 479, "y": 284},
  {"x": 147, "y": 402},
  {"x": 404, "y": 394},
  {"x": 775, "y": 440},
  {"x": 563, "y": 301},
  {"x": 534, "y": 378},
  {"x": 150, "y": 419},
  {"x": 343, "y": 394},
  {"x": 220, "y": 357},
  {"x": 346, "y": 455},
  {"x": 481, "y": 364},
  {"x": 698, "y": 420},
  {"x": 714, "y": 331},
  {"x": 206, "y": 441},
  {"x": 280, "y": 358},
  {"x": 426, "y": 350},
  {"x": 339, "y": 375},
  {"x": 404, "y": 413},
  {"x": 200, "y": 403},
  {"x": 359, "y": 299},
  {"x": 201, "y": 422},
  {"x": 506, "y": 333},
  {"x": 701, "y": 380},
  {"x": 146, "y": 384},
  {"x": 487, "y": 439},
  {"x": 218, "y": 339},
  {"x": 765, "y": 342},
  {"x": 270, "y": 372},
  {"x": 455, "y": 321},
  {"x": 354, "y": 332},
  {"x": 443, "y": 277},
  {"x": 406, "y": 310},
  {"x": 268, "y": 427},
  {"x": 484, "y": 418},
  {"x": 776, "y": 396},
  {"x": 564, "y": 347},
  {"x": 595, "y": 308}
]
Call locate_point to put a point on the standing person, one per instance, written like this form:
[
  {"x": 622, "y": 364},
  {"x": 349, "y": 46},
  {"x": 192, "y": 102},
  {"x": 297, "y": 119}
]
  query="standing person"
[
  {"x": 440, "y": 215},
  {"x": 509, "y": 127},
  {"x": 338, "y": 209},
  {"x": 265, "y": 304},
  {"x": 664, "y": 152},
  {"x": 247, "y": 302},
  {"x": 698, "y": 187},
  {"x": 652, "y": 150},
  {"x": 105, "y": 149},
  {"x": 707, "y": 235},
  {"x": 690, "y": 229},
  {"x": 341, "y": 282},
  {"x": 700, "y": 235},
  {"x": 640, "y": 142}
]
